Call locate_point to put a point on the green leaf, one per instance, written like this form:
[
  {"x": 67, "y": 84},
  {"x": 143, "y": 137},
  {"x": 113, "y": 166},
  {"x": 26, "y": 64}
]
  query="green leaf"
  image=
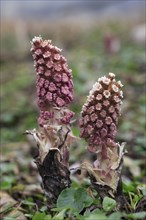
[
  {"x": 43, "y": 208},
  {"x": 9, "y": 218},
  {"x": 108, "y": 204},
  {"x": 26, "y": 202},
  {"x": 74, "y": 199},
  {"x": 48, "y": 217},
  {"x": 60, "y": 215},
  {"x": 115, "y": 215},
  {"x": 5, "y": 185},
  {"x": 97, "y": 216},
  {"x": 142, "y": 187},
  {"x": 137, "y": 215},
  {"x": 128, "y": 187},
  {"x": 29, "y": 215},
  {"x": 39, "y": 216},
  {"x": 7, "y": 167}
]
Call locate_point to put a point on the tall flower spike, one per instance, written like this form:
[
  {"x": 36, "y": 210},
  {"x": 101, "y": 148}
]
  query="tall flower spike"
[
  {"x": 54, "y": 81},
  {"x": 54, "y": 92},
  {"x": 98, "y": 125}
]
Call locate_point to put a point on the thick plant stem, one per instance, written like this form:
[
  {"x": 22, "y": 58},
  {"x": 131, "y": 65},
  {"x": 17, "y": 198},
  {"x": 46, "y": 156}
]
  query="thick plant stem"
[
  {"x": 55, "y": 176},
  {"x": 52, "y": 166}
]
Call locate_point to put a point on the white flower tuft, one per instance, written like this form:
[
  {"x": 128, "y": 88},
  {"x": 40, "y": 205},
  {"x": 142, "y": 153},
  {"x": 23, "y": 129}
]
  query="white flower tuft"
[
  {"x": 36, "y": 39},
  {"x": 120, "y": 84},
  {"x": 107, "y": 94},
  {"x": 112, "y": 75},
  {"x": 115, "y": 88}
]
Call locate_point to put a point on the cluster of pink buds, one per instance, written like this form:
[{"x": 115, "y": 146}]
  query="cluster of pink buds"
[
  {"x": 54, "y": 79},
  {"x": 100, "y": 113}
]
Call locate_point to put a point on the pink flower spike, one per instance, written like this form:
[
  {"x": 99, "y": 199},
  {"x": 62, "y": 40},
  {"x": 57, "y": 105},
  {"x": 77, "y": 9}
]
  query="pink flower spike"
[
  {"x": 45, "y": 43},
  {"x": 52, "y": 87},
  {"x": 57, "y": 67},
  {"x": 93, "y": 117},
  {"x": 98, "y": 106},
  {"x": 49, "y": 96},
  {"x": 91, "y": 109},
  {"x": 86, "y": 119},
  {"x": 106, "y": 103},
  {"x": 111, "y": 109},
  {"x": 47, "y": 54},
  {"x": 110, "y": 143},
  {"x": 40, "y": 61},
  {"x": 64, "y": 90},
  {"x": 40, "y": 70},
  {"x": 103, "y": 113},
  {"x": 112, "y": 127},
  {"x": 106, "y": 93},
  {"x": 89, "y": 129},
  {"x": 117, "y": 99},
  {"x": 108, "y": 120},
  {"x": 57, "y": 77},
  {"x": 99, "y": 97},
  {"x": 103, "y": 132},
  {"x": 99, "y": 123},
  {"x": 48, "y": 73},
  {"x": 64, "y": 77},
  {"x": 57, "y": 56},
  {"x": 38, "y": 52},
  {"x": 49, "y": 64},
  {"x": 60, "y": 102}
]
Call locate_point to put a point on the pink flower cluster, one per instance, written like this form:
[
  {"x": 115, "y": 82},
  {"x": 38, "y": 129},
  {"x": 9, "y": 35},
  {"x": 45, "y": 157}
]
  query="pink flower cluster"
[
  {"x": 99, "y": 116},
  {"x": 54, "y": 78}
]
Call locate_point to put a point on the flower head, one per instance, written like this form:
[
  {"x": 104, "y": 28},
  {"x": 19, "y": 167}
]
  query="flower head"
[
  {"x": 100, "y": 113},
  {"x": 54, "y": 78}
]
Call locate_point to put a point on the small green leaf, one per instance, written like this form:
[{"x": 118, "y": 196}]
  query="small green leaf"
[
  {"x": 60, "y": 215},
  {"x": 29, "y": 215},
  {"x": 43, "y": 208},
  {"x": 39, "y": 216},
  {"x": 74, "y": 199},
  {"x": 5, "y": 185},
  {"x": 6, "y": 182},
  {"x": 26, "y": 202},
  {"x": 128, "y": 187},
  {"x": 108, "y": 204},
  {"x": 142, "y": 187}
]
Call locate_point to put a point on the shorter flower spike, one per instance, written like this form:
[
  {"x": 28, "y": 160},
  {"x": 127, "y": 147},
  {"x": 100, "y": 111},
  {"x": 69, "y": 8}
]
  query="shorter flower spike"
[{"x": 98, "y": 125}]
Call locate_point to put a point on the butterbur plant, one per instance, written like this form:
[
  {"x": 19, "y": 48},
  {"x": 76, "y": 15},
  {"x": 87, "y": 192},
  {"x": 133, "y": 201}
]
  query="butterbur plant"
[
  {"x": 54, "y": 92},
  {"x": 98, "y": 125}
]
